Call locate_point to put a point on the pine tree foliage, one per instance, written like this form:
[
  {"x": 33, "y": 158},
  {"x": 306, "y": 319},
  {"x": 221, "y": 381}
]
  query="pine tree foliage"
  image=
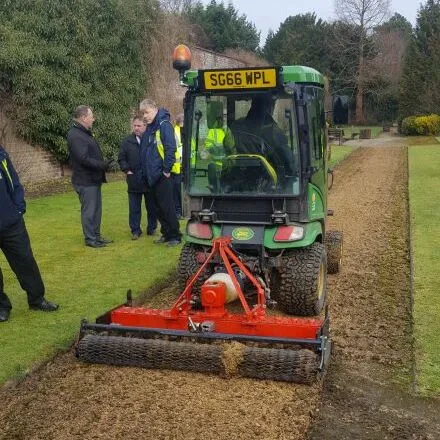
[
  {"x": 295, "y": 42},
  {"x": 420, "y": 86},
  {"x": 223, "y": 26}
]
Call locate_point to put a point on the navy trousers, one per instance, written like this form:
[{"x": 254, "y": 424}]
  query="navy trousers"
[
  {"x": 162, "y": 193},
  {"x": 177, "y": 193},
  {"x": 135, "y": 212}
]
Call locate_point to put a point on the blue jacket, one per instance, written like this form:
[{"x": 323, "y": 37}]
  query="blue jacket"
[
  {"x": 12, "y": 204},
  {"x": 153, "y": 166}
]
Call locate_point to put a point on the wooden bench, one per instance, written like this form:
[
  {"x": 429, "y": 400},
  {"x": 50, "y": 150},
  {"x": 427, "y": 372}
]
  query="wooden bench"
[{"x": 336, "y": 133}]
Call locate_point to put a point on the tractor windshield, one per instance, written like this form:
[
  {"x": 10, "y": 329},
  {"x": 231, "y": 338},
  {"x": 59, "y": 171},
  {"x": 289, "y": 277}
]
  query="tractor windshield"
[{"x": 243, "y": 144}]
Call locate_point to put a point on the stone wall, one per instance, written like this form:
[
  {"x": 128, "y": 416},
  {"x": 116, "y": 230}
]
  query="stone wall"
[{"x": 34, "y": 164}]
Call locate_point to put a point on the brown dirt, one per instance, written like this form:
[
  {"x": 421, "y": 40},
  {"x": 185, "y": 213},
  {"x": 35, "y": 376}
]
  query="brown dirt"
[{"x": 366, "y": 392}]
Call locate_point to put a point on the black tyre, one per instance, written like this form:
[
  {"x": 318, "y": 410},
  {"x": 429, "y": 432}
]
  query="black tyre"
[
  {"x": 300, "y": 285},
  {"x": 189, "y": 265},
  {"x": 334, "y": 246}
]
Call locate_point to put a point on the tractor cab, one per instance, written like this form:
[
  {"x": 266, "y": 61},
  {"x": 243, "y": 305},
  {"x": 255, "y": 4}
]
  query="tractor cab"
[
  {"x": 255, "y": 144},
  {"x": 243, "y": 144},
  {"x": 255, "y": 169}
]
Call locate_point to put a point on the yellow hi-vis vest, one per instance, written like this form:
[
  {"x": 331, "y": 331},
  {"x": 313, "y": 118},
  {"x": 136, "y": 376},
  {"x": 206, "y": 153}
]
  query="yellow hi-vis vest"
[
  {"x": 6, "y": 169},
  {"x": 177, "y": 164},
  {"x": 214, "y": 140},
  {"x": 179, "y": 146}
]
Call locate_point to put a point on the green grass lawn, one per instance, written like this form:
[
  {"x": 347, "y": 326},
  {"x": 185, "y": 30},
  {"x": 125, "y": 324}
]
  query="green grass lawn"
[
  {"x": 84, "y": 281},
  {"x": 424, "y": 194},
  {"x": 339, "y": 152}
]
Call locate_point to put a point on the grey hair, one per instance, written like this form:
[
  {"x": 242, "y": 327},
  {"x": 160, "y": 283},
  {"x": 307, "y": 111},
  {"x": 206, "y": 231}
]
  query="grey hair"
[
  {"x": 81, "y": 110},
  {"x": 147, "y": 103}
]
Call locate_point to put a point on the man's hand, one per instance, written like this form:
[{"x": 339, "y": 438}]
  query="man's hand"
[
  {"x": 167, "y": 175},
  {"x": 110, "y": 164}
]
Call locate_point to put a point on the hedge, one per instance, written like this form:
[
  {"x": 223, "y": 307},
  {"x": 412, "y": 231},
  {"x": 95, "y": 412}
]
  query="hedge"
[{"x": 421, "y": 125}]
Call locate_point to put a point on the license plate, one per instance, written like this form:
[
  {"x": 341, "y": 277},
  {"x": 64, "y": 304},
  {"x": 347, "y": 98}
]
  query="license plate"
[{"x": 240, "y": 79}]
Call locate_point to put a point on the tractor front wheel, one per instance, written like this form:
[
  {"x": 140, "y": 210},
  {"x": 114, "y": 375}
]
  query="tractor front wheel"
[
  {"x": 334, "y": 245},
  {"x": 189, "y": 264},
  {"x": 300, "y": 285}
]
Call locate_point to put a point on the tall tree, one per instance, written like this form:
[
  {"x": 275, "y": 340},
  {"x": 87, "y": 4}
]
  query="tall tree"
[
  {"x": 420, "y": 86},
  {"x": 223, "y": 26},
  {"x": 383, "y": 72},
  {"x": 295, "y": 42},
  {"x": 364, "y": 16}
]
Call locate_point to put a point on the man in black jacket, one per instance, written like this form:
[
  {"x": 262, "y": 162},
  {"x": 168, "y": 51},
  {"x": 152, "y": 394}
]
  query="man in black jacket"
[
  {"x": 88, "y": 174},
  {"x": 15, "y": 244},
  {"x": 130, "y": 163}
]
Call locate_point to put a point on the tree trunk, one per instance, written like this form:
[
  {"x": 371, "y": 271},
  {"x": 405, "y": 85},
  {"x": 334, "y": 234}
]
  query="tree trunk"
[
  {"x": 360, "y": 104},
  {"x": 360, "y": 87}
]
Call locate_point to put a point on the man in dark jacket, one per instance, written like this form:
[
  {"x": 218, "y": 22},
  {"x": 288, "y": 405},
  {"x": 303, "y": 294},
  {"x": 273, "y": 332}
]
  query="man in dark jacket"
[
  {"x": 88, "y": 174},
  {"x": 158, "y": 155},
  {"x": 15, "y": 244},
  {"x": 130, "y": 163}
]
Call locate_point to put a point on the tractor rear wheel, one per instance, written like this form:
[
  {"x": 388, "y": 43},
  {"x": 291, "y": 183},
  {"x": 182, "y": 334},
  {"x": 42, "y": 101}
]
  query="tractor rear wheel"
[
  {"x": 300, "y": 285},
  {"x": 188, "y": 265},
  {"x": 334, "y": 245}
]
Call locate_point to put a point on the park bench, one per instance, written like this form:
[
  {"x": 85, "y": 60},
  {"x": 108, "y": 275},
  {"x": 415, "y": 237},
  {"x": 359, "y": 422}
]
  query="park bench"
[{"x": 336, "y": 133}]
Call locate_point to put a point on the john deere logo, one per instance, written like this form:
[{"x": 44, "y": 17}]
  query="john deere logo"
[{"x": 242, "y": 234}]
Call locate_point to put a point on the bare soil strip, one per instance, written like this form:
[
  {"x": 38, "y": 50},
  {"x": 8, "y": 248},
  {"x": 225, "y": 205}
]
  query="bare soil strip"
[{"x": 366, "y": 390}]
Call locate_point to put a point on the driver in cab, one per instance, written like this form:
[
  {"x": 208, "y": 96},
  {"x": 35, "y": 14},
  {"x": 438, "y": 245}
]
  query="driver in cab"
[{"x": 258, "y": 133}]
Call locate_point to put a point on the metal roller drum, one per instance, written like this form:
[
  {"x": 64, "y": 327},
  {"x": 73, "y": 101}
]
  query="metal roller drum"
[{"x": 300, "y": 366}]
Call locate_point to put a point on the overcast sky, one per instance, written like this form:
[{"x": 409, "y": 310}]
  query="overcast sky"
[{"x": 268, "y": 14}]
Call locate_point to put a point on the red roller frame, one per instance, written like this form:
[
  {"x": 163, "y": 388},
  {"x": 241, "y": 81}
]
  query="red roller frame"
[{"x": 252, "y": 322}]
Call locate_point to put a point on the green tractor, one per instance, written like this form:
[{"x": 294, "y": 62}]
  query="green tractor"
[{"x": 255, "y": 169}]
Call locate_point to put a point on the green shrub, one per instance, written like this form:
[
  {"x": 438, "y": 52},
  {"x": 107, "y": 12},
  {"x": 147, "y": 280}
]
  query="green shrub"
[{"x": 421, "y": 125}]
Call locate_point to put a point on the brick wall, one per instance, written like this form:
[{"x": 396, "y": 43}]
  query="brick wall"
[
  {"x": 168, "y": 92},
  {"x": 35, "y": 164}
]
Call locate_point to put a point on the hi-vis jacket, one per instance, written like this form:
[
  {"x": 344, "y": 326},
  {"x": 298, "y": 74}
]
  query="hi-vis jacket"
[
  {"x": 177, "y": 167},
  {"x": 158, "y": 148},
  {"x": 12, "y": 203}
]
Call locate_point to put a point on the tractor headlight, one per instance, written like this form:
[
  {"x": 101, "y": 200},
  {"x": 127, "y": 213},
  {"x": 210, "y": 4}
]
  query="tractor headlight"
[
  {"x": 289, "y": 233},
  {"x": 199, "y": 230}
]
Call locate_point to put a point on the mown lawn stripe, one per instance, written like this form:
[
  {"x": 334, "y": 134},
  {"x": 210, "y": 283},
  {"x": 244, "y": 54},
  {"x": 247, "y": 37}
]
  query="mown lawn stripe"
[{"x": 424, "y": 199}]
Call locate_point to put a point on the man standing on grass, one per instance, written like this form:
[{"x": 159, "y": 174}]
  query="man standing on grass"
[
  {"x": 130, "y": 163},
  {"x": 88, "y": 174},
  {"x": 15, "y": 244},
  {"x": 158, "y": 155}
]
